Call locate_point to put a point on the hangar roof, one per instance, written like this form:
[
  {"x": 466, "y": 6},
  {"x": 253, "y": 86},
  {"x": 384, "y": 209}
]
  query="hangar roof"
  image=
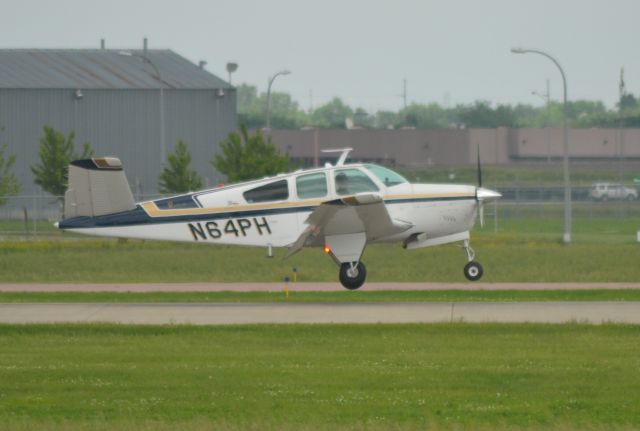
[{"x": 102, "y": 69}]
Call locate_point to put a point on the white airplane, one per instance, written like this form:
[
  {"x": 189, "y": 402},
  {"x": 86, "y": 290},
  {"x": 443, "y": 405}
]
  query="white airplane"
[{"x": 339, "y": 208}]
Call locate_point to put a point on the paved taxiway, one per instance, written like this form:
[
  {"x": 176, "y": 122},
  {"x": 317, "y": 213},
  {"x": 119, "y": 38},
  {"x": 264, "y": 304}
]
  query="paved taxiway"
[{"x": 221, "y": 314}]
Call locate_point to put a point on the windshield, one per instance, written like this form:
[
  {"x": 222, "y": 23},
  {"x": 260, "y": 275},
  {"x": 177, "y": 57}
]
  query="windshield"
[{"x": 387, "y": 176}]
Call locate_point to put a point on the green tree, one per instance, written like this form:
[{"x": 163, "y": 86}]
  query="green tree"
[
  {"x": 431, "y": 116},
  {"x": 385, "y": 120},
  {"x": 246, "y": 157},
  {"x": 56, "y": 152},
  {"x": 177, "y": 177},
  {"x": 627, "y": 101},
  {"x": 9, "y": 185},
  {"x": 252, "y": 108},
  {"x": 481, "y": 114},
  {"x": 332, "y": 114}
]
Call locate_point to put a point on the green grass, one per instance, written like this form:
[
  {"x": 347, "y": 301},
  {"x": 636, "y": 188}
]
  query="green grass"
[
  {"x": 533, "y": 224},
  {"x": 506, "y": 257},
  {"x": 18, "y": 228},
  {"x": 297, "y": 293},
  {"x": 526, "y": 247},
  {"x": 445, "y": 376}
]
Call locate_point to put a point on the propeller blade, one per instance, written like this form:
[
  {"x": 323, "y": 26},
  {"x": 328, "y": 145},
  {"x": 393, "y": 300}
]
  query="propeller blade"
[
  {"x": 481, "y": 213},
  {"x": 479, "y": 168}
]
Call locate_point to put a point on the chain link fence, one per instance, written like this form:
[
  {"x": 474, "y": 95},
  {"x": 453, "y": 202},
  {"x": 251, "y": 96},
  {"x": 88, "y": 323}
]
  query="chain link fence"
[{"x": 34, "y": 216}]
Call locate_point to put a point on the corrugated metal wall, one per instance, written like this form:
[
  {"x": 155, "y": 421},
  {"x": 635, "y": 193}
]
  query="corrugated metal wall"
[{"x": 124, "y": 123}]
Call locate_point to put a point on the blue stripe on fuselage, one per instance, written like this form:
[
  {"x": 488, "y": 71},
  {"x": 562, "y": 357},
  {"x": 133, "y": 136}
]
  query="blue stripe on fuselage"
[{"x": 138, "y": 216}]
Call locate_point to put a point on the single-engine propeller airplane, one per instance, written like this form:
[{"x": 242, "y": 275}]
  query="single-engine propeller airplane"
[{"x": 340, "y": 208}]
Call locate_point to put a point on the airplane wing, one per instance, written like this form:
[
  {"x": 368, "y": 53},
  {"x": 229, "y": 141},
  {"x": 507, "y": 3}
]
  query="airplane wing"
[{"x": 361, "y": 213}]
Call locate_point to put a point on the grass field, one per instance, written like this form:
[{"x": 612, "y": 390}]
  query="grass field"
[
  {"x": 504, "y": 257},
  {"x": 447, "y": 376},
  {"x": 297, "y": 293},
  {"x": 526, "y": 247}
]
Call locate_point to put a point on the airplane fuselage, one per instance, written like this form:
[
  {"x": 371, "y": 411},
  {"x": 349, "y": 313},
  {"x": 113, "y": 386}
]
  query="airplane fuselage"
[
  {"x": 341, "y": 208},
  {"x": 435, "y": 209}
]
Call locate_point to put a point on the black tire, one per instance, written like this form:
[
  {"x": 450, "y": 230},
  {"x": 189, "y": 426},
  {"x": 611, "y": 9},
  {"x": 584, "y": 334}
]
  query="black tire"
[
  {"x": 351, "y": 281},
  {"x": 473, "y": 271}
]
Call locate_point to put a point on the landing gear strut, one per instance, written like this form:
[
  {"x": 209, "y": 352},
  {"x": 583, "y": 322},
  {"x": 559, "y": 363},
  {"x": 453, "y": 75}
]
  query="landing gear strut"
[
  {"x": 352, "y": 274},
  {"x": 472, "y": 270}
]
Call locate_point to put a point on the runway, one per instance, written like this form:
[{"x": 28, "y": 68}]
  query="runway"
[{"x": 260, "y": 313}]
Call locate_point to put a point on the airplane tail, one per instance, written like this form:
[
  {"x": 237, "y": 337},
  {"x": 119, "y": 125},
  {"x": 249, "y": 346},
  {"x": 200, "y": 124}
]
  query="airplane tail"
[{"x": 97, "y": 186}]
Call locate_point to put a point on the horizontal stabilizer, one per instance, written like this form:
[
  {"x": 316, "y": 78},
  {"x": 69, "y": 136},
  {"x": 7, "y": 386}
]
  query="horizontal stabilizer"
[{"x": 97, "y": 186}]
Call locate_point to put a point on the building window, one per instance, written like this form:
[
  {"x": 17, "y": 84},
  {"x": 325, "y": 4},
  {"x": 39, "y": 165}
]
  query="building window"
[
  {"x": 352, "y": 181},
  {"x": 276, "y": 191},
  {"x": 311, "y": 186}
]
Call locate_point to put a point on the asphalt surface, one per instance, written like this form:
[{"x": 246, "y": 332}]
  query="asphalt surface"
[
  {"x": 270, "y": 287},
  {"x": 224, "y": 314}
]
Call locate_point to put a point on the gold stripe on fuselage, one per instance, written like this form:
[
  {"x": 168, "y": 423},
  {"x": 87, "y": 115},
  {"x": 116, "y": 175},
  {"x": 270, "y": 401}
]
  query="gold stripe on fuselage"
[{"x": 153, "y": 211}]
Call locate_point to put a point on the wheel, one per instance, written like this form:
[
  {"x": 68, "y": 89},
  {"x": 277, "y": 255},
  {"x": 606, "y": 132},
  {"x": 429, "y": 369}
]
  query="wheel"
[
  {"x": 473, "y": 271},
  {"x": 631, "y": 198},
  {"x": 352, "y": 278}
]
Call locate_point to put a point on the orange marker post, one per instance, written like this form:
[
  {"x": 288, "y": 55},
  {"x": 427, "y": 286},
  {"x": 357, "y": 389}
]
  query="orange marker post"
[{"x": 286, "y": 287}]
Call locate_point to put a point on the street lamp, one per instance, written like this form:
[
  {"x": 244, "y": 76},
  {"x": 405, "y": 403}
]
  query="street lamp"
[
  {"x": 282, "y": 72},
  {"x": 231, "y": 67},
  {"x": 565, "y": 160},
  {"x": 158, "y": 78}
]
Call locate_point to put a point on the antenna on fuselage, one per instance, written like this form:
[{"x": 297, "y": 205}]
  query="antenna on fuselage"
[{"x": 343, "y": 157}]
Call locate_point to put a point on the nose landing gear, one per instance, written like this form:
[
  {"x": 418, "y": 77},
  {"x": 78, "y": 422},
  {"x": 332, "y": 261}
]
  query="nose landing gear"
[{"x": 472, "y": 270}]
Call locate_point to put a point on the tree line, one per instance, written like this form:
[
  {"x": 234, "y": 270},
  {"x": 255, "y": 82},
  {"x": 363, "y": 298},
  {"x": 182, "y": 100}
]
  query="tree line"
[
  {"x": 243, "y": 156},
  {"x": 246, "y": 156},
  {"x": 287, "y": 114}
]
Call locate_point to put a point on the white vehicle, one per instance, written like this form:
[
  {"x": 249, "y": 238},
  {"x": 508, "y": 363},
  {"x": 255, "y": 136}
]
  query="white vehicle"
[
  {"x": 607, "y": 191},
  {"x": 339, "y": 208}
]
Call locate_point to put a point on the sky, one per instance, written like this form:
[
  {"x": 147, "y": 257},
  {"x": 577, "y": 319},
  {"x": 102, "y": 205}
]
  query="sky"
[{"x": 450, "y": 52}]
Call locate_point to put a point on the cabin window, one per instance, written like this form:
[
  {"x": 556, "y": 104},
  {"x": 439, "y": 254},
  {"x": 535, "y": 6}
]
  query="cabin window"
[
  {"x": 176, "y": 203},
  {"x": 387, "y": 176},
  {"x": 311, "y": 186},
  {"x": 276, "y": 191},
  {"x": 352, "y": 181}
]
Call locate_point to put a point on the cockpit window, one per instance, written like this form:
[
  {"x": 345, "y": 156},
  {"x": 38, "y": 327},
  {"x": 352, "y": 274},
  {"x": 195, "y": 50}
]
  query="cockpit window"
[
  {"x": 176, "y": 203},
  {"x": 276, "y": 191},
  {"x": 312, "y": 186},
  {"x": 352, "y": 181},
  {"x": 387, "y": 176}
]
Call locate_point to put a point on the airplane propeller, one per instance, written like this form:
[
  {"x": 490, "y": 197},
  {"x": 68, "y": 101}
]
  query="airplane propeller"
[
  {"x": 478, "y": 198},
  {"x": 483, "y": 194}
]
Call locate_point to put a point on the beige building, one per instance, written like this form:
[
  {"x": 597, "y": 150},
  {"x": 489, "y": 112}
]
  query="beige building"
[{"x": 450, "y": 147}]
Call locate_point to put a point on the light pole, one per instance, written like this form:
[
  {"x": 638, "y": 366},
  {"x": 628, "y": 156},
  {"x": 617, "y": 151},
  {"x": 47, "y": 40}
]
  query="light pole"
[
  {"x": 282, "y": 72},
  {"x": 158, "y": 78},
  {"x": 231, "y": 67},
  {"x": 566, "y": 238}
]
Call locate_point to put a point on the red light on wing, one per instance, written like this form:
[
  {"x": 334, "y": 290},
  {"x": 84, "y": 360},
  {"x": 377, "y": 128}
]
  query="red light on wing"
[{"x": 327, "y": 249}]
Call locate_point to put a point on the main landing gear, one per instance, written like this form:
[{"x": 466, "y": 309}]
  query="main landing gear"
[
  {"x": 352, "y": 275},
  {"x": 472, "y": 270}
]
